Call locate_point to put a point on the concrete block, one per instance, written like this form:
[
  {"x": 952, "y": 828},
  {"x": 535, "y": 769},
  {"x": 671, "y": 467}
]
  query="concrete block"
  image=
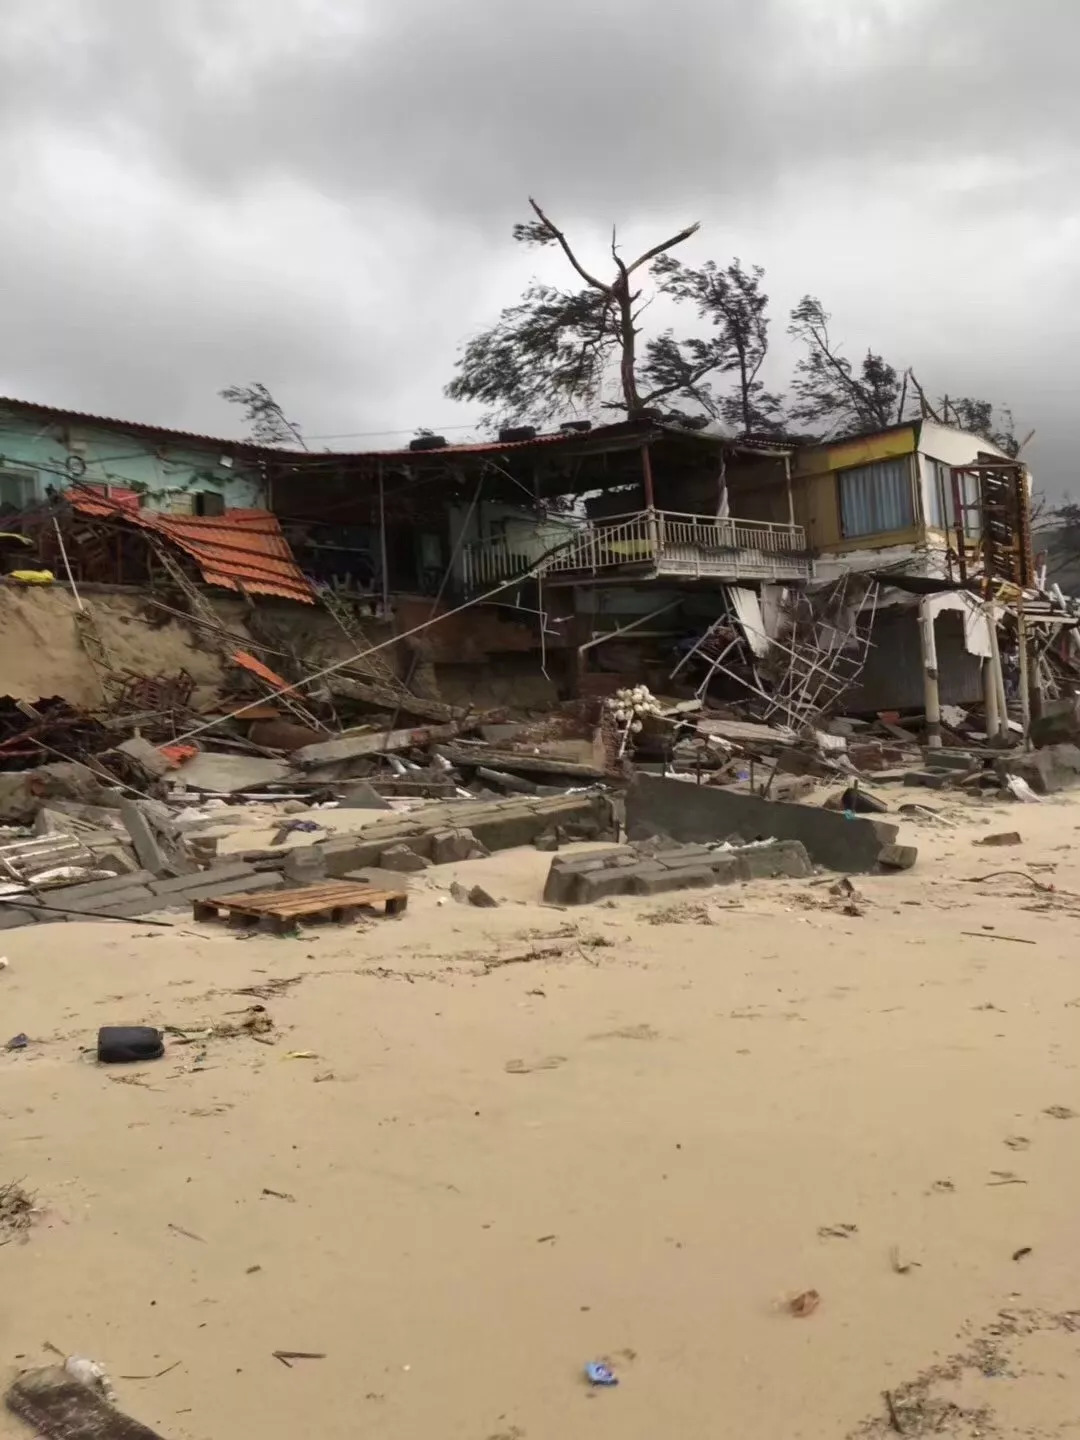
[
  {"x": 361, "y": 795},
  {"x": 402, "y": 860},
  {"x": 928, "y": 779},
  {"x": 13, "y": 917},
  {"x": 770, "y": 862},
  {"x": 146, "y": 757},
  {"x": 695, "y": 814},
  {"x": 151, "y": 855},
  {"x": 251, "y": 884},
  {"x": 950, "y": 760},
  {"x": 112, "y": 886},
  {"x": 225, "y": 874},
  {"x": 1047, "y": 771},
  {"x": 679, "y": 856},
  {"x": 380, "y": 879},
  {"x": 115, "y": 858},
  {"x": 660, "y": 881},
  {"x": 448, "y": 846},
  {"x": 588, "y": 888},
  {"x": 307, "y": 863},
  {"x": 117, "y": 902},
  {"x": 1058, "y": 724},
  {"x": 898, "y": 857}
]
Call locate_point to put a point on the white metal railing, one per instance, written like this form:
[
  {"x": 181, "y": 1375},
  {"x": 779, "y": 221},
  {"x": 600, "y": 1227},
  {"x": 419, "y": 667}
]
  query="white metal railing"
[
  {"x": 672, "y": 543},
  {"x": 664, "y": 542}
]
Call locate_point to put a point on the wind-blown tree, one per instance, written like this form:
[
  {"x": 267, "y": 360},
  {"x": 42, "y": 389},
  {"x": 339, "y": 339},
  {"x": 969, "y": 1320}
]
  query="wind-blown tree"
[
  {"x": 264, "y": 415},
  {"x": 556, "y": 350},
  {"x": 733, "y": 301},
  {"x": 831, "y": 395},
  {"x": 981, "y": 417}
]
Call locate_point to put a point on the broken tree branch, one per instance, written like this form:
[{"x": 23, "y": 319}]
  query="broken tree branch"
[{"x": 565, "y": 245}]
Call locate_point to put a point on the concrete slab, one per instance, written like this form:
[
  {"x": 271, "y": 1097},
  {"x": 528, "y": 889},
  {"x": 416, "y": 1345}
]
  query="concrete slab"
[
  {"x": 229, "y": 774},
  {"x": 692, "y": 814}
]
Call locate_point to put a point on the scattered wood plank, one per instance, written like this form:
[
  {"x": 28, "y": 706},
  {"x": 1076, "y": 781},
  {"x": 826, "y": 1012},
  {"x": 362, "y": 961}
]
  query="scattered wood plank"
[
  {"x": 338, "y": 902},
  {"x": 989, "y": 935}
]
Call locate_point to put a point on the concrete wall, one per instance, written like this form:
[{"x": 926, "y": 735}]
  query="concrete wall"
[
  {"x": 39, "y": 452},
  {"x": 892, "y": 678}
]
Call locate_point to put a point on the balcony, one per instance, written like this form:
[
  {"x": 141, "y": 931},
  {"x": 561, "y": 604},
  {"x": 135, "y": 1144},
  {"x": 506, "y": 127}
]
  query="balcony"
[{"x": 661, "y": 545}]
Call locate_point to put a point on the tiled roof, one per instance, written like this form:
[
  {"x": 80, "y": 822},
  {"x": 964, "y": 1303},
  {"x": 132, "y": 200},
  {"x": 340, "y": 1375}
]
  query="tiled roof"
[
  {"x": 129, "y": 427},
  {"x": 240, "y": 550}
]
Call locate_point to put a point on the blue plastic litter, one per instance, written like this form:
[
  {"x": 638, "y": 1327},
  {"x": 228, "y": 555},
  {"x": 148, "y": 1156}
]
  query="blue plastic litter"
[{"x": 598, "y": 1374}]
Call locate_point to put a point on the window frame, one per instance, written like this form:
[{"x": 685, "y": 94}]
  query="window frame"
[{"x": 907, "y": 461}]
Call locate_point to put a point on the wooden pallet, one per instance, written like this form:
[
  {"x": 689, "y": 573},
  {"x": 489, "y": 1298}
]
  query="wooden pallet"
[{"x": 337, "y": 901}]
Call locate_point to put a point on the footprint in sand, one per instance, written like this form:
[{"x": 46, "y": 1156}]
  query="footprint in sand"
[
  {"x": 526, "y": 1067},
  {"x": 629, "y": 1032}
]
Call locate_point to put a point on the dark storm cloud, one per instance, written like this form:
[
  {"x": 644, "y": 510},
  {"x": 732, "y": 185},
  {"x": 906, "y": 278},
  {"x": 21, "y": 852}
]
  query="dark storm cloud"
[{"x": 317, "y": 192}]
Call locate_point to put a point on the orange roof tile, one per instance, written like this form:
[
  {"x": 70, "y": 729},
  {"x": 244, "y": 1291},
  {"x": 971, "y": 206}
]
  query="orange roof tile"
[
  {"x": 240, "y": 550},
  {"x": 249, "y": 662}
]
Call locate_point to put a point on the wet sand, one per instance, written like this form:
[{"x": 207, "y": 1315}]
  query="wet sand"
[{"x": 633, "y": 1149}]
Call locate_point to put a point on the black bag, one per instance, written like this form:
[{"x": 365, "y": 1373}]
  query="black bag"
[{"x": 126, "y": 1044}]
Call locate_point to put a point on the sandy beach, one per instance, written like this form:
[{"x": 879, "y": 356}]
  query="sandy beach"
[{"x": 488, "y": 1146}]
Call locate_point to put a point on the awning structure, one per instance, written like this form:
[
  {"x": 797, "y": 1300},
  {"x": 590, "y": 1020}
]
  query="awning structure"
[{"x": 241, "y": 550}]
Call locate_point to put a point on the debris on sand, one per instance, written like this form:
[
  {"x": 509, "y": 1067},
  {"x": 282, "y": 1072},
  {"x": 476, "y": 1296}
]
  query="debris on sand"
[
  {"x": 17, "y": 1211},
  {"x": 60, "y": 1406}
]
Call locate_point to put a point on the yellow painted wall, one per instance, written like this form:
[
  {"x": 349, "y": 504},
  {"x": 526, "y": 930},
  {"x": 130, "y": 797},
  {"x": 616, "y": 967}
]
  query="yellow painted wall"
[
  {"x": 816, "y": 492},
  {"x": 863, "y": 450}
]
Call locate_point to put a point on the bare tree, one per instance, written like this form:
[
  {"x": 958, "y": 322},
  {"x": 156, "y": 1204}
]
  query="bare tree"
[{"x": 554, "y": 348}]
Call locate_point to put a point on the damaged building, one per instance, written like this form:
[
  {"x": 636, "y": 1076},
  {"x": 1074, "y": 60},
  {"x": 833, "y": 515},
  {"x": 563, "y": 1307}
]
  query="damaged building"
[{"x": 878, "y": 572}]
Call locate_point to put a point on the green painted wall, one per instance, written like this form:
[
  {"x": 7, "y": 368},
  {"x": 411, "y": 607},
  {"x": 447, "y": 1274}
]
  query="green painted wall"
[{"x": 38, "y": 451}]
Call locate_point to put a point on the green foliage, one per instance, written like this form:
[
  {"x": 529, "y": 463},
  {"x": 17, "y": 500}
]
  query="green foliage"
[{"x": 264, "y": 415}]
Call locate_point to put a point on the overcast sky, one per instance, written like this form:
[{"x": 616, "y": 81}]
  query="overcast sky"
[{"x": 319, "y": 193}]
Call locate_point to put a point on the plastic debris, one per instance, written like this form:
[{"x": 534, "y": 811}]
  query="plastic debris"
[
  {"x": 129, "y": 1044},
  {"x": 90, "y": 1374},
  {"x": 598, "y": 1373}
]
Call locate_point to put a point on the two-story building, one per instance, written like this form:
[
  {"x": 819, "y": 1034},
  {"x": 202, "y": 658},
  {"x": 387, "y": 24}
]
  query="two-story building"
[{"x": 937, "y": 520}]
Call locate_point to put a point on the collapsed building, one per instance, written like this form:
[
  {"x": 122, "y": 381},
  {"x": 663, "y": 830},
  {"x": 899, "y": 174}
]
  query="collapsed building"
[{"x": 883, "y": 572}]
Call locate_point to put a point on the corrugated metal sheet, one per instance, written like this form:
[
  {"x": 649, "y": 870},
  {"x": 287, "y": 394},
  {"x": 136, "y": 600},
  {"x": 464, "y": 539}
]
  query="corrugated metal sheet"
[{"x": 240, "y": 550}]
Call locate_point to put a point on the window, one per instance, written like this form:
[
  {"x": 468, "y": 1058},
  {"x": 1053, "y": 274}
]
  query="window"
[
  {"x": 941, "y": 512},
  {"x": 875, "y": 499},
  {"x": 209, "y": 502},
  {"x": 17, "y": 490}
]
